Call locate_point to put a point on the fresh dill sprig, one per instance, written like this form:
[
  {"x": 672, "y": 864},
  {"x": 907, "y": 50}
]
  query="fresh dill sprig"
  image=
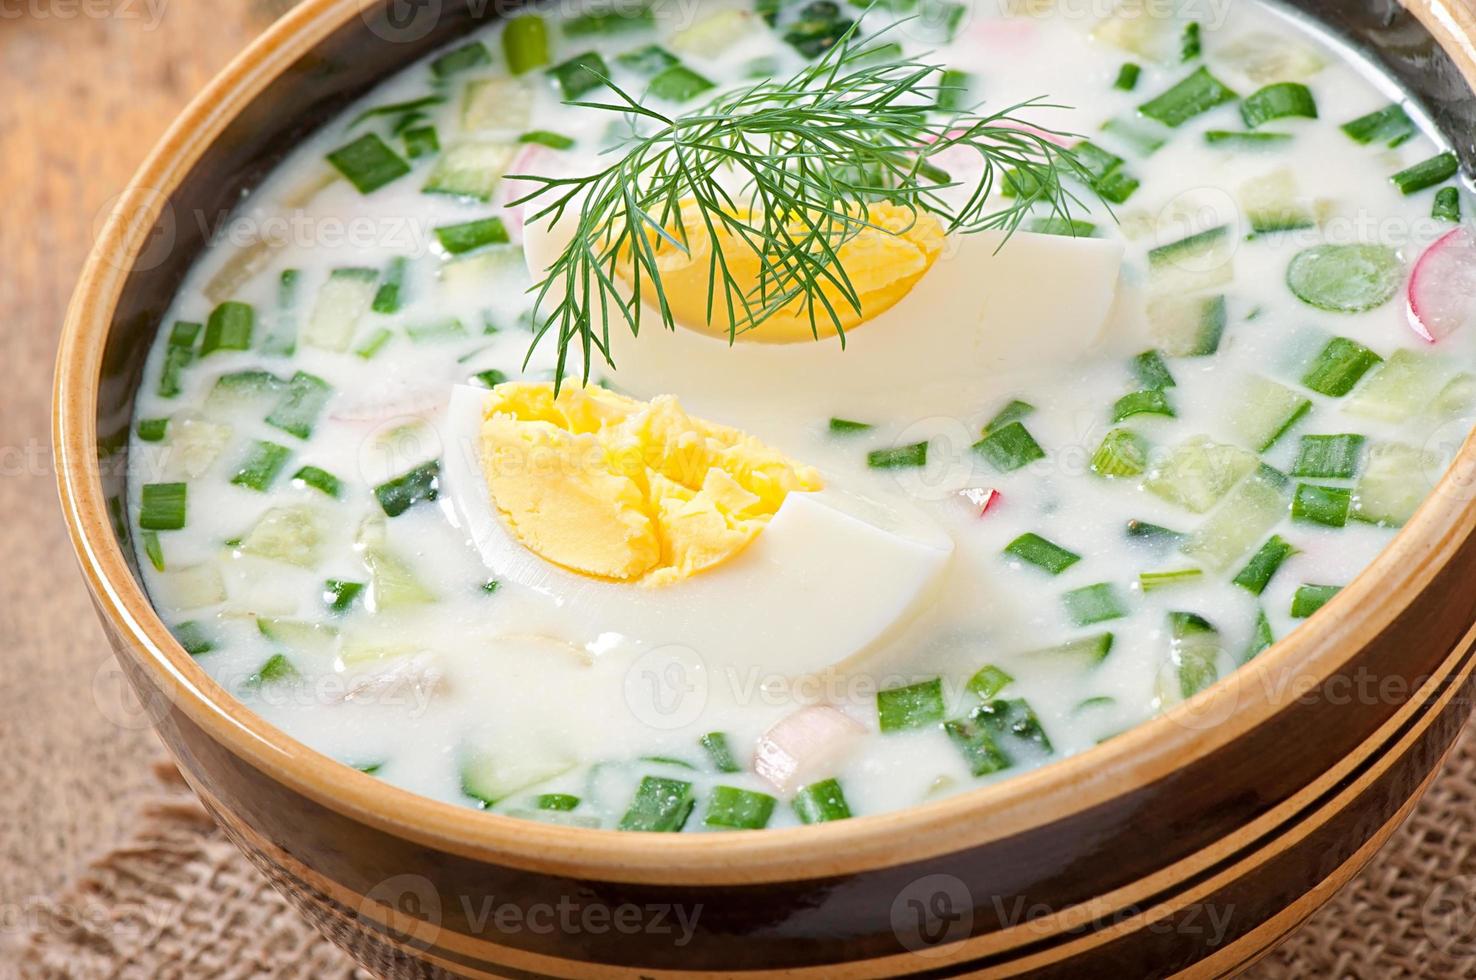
[{"x": 786, "y": 168}]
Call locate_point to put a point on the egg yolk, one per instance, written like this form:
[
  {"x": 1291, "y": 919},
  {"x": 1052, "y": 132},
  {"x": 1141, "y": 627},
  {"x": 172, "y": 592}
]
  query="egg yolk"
[
  {"x": 626, "y": 490},
  {"x": 883, "y": 261}
]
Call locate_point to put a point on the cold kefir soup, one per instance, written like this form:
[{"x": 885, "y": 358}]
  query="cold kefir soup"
[{"x": 699, "y": 417}]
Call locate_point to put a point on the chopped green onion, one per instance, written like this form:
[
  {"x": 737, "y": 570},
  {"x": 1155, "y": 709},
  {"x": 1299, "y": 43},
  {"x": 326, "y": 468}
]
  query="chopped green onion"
[
  {"x": 1256, "y": 574},
  {"x": 738, "y": 809},
  {"x": 1153, "y": 532},
  {"x": 1339, "y": 367},
  {"x": 153, "y": 430},
  {"x": 1015, "y": 411},
  {"x": 319, "y": 479},
  {"x": 718, "y": 752},
  {"x": 1116, "y": 187},
  {"x": 368, "y": 163},
  {"x": 660, "y": 805},
  {"x": 1122, "y": 453},
  {"x": 914, "y": 706},
  {"x": 374, "y": 343},
  {"x": 525, "y": 43},
  {"x": 1150, "y": 402},
  {"x": 1031, "y": 547},
  {"x": 1196, "y": 649},
  {"x": 988, "y": 681},
  {"x": 436, "y": 331},
  {"x": 975, "y": 741},
  {"x": 277, "y": 668},
  {"x": 423, "y": 483},
  {"x": 559, "y": 802},
  {"x": 1262, "y": 637},
  {"x": 818, "y": 28},
  {"x": 229, "y": 328},
  {"x": 163, "y": 506},
  {"x": 301, "y": 404},
  {"x": 678, "y": 84},
  {"x": 1447, "y": 205},
  {"x": 649, "y": 61},
  {"x": 1345, "y": 278},
  {"x": 1088, "y": 650},
  {"x": 821, "y": 802},
  {"x": 490, "y": 378},
  {"x": 611, "y": 21},
  {"x": 1427, "y": 173},
  {"x": 387, "y": 298},
  {"x": 339, "y": 595},
  {"x": 420, "y": 141},
  {"x": 1198, "y": 93},
  {"x": 1127, "y": 77},
  {"x": 1052, "y": 224},
  {"x": 1278, "y": 101},
  {"x": 1390, "y": 125},
  {"x": 1144, "y": 137},
  {"x": 898, "y": 458},
  {"x": 153, "y": 549},
  {"x": 464, "y": 58},
  {"x": 1015, "y": 719},
  {"x": 259, "y": 470},
  {"x": 1009, "y": 447},
  {"x": 470, "y": 235},
  {"x": 281, "y": 341},
  {"x": 581, "y": 73},
  {"x": 1093, "y": 604},
  {"x": 1150, "y": 581},
  {"x": 554, "y": 141},
  {"x": 194, "y": 638},
  {"x": 1245, "y": 141},
  {"x": 1310, "y": 598},
  {"x": 848, "y": 426},
  {"x": 1329, "y": 457},
  {"x": 1151, "y": 371},
  {"x": 491, "y": 585},
  {"x": 1316, "y": 504},
  {"x": 953, "y": 90},
  {"x": 177, "y": 356},
  {"x": 1190, "y": 44},
  {"x": 409, "y": 107}
]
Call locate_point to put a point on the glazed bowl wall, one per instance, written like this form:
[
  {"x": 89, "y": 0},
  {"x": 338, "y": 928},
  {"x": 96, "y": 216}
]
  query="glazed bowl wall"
[{"x": 1190, "y": 844}]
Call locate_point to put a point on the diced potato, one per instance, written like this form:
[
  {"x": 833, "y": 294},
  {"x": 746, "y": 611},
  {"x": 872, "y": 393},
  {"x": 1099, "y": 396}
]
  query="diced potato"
[{"x": 1198, "y": 472}]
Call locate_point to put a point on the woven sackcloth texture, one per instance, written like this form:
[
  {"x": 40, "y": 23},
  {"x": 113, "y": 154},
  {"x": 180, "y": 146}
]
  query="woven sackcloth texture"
[{"x": 178, "y": 901}]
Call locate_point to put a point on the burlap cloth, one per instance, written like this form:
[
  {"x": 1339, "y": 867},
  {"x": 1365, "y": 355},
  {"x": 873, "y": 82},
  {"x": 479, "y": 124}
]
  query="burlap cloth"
[{"x": 178, "y": 901}]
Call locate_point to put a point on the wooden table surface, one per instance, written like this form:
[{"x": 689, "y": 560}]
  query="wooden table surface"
[{"x": 87, "y": 89}]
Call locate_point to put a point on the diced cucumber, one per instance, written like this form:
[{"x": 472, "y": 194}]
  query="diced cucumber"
[
  {"x": 243, "y": 393},
  {"x": 1151, "y": 34},
  {"x": 711, "y": 35},
  {"x": 470, "y": 169},
  {"x": 1263, "y": 410},
  {"x": 1196, "y": 658},
  {"x": 299, "y": 635},
  {"x": 193, "y": 587},
  {"x": 1247, "y": 514},
  {"x": 1457, "y": 397},
  {"x": 821, "y": 802},
  {"x": 1198, "y": 472},
  {"x": 1402, "y": 386},
  {"x": 1271, "y": 204},
  {"x": 495, "y": 104},
  {"x": 731, "y": 808},
  {"x": 392, "y": 582},
  {"x": 1187, "y": 326},
  {"x": 1345, "y": 278},
  {"x": 1122, "y": 453},
  {"x": 290, "y": 534},
  {"x": 344, "y": 298},
  {"x": 195, "y": 444},
  {"x": 660, "y": 805},
  {"x": 490, "y": 776},
  {"x": 1084, "y": 651},
  {"x": 1396, "y": 479}
]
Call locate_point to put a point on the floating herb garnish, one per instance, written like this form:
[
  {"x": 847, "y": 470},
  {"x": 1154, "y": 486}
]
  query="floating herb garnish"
[{"x": 787, "y": 168}]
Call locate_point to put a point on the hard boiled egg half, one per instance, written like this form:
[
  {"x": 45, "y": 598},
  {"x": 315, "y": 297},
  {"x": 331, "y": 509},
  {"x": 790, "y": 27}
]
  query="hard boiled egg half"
[
  {"x": 949, "y": 320},
  {"x": 644, "y": 523}
]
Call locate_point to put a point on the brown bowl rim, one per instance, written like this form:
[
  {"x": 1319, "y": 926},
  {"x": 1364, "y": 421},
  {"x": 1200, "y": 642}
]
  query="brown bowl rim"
[{"x": 1140, "y": 756}]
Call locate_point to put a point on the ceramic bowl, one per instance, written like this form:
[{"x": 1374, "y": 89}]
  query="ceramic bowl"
[{"x": 1189, "y": 845}]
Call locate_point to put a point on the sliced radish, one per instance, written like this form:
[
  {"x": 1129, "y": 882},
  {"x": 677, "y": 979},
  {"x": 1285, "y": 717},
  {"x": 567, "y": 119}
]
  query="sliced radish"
[
  {"x": 804, "y": 746},
  {"x": 1442, "y": 290},
  {"x": 979, "y": 499}
]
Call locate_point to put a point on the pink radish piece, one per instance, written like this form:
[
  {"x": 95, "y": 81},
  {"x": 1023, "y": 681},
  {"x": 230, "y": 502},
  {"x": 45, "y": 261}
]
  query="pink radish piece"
[
  {"x": 979, "y": 499},
  {"x": 804, "y": 746},
  {"x": 526, "y": 162},
  {"x": 1442, "y": 289}
]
